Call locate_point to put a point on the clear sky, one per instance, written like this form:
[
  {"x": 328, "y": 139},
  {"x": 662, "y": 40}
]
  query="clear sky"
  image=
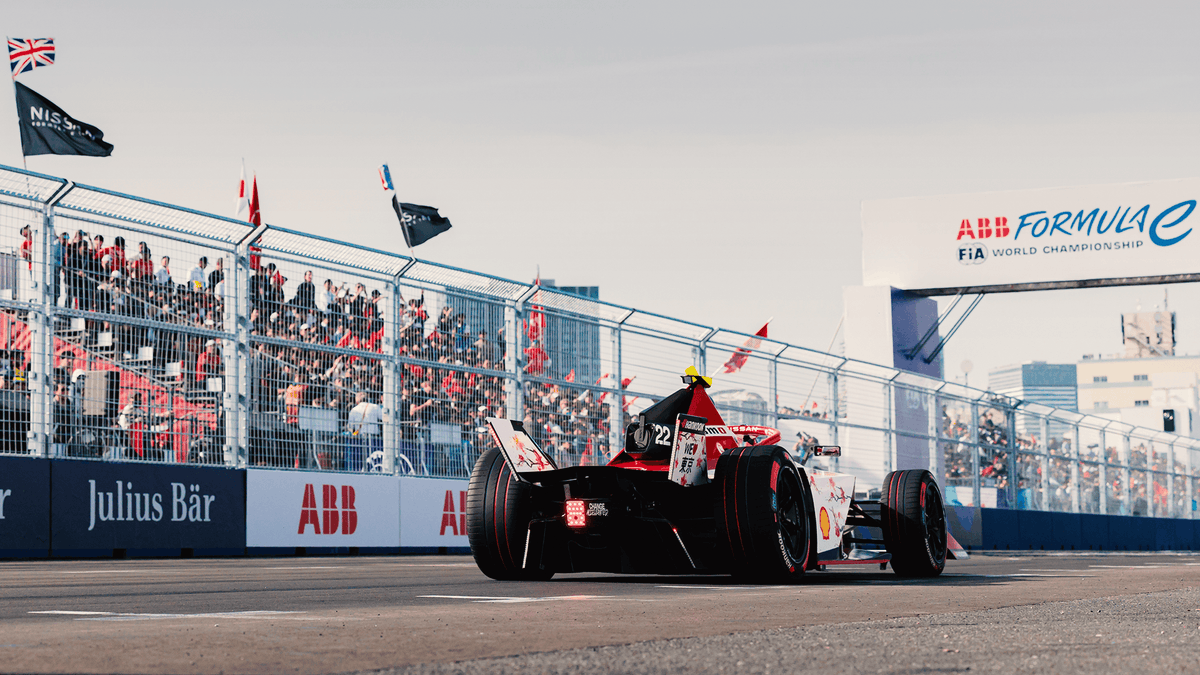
[{"x": 704, "y": 160}]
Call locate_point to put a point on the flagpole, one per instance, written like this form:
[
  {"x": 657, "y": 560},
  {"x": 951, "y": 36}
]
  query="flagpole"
[{"x": 24, "y": 161}]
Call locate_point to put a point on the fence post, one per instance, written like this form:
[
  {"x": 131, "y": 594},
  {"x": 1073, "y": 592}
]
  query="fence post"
[
  {"x": 1187, "y": 484},
  {"x": 889, "y": 424},
  {"x": 1010, "y": 417},
  {"x": 1076, "y": 470},
  {"x": 976, "y": 478},
  {"x": 514, "y": 393},
  {"x": 237, "y": 354},
  {"x": 773, "y": 385},
  {"x": 936, "y": 465},
  {"x": 39, "y": 378},
  {"x": 392, "y": 374},
  {"x": 1127, "y": 474},
  {"x": 1044, "y": 465},
  {"x": 1102, "y": 507}
]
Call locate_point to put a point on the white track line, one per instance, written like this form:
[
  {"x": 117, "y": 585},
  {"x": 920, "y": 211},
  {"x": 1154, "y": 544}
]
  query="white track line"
[
  {"x": 138, "y": 616},
  {"x": 512, "y": 600}
]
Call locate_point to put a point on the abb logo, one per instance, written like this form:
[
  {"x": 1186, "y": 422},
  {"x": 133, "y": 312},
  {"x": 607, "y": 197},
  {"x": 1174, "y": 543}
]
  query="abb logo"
[
  {"x": 983, "y": 228},
  {"x": 325, "y": 520},
  {"x": 455, "y": 520}
]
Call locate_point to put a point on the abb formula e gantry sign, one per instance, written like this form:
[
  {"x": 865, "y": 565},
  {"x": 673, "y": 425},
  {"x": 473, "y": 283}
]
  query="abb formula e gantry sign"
[
  {"x": 306, "y": 508},
  {"x": 1054, "y": 238}
]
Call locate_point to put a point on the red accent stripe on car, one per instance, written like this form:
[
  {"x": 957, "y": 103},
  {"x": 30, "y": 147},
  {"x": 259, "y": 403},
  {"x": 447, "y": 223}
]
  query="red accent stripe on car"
[
  {"x": 495, "y": 498},
  {"x": 507, "y": 539}
]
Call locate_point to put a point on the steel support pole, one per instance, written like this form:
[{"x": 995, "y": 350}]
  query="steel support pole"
[
  {"x": 392, "y": 376},
  {"x": 39, "y": 378},
  {"x": 237, "y": 355},
  {"x": 1076, "y": 471}
]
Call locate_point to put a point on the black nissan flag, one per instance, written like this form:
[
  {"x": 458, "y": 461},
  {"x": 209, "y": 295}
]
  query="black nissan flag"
[
  {"x": 420, "y": 223},
  {"x": 47, "y": 130}
]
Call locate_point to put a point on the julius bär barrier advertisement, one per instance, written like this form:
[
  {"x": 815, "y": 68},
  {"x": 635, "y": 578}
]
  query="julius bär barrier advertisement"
[
  {"x": 1033, "y": 236},
  {"x": 433, "y": 512},
  {"x": 308, "y": 508},
  {"x": 24, "y": 506},
  {"x": 103, "y": 505}
]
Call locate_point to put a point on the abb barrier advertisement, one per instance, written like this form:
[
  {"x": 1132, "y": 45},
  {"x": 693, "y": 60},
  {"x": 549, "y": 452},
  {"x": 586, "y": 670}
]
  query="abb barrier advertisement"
[
  {"x": 1033, "y": 236},
  {"x": 305, "y": 508},
  {"x": 433, "y": 512}
]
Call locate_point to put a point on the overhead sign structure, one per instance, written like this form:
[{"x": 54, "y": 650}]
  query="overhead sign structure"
[{"x": 1100, "y": 235}]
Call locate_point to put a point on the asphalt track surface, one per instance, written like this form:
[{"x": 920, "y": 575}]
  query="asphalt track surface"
[{"x": 993, "y": 613}]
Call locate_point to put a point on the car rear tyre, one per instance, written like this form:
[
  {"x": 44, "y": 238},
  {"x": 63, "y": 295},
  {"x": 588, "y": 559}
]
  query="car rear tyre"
[
  {"x": 499, "y": 508},
  {"x": 763, "y": 514},
  {"x": 914, "y": 523}
]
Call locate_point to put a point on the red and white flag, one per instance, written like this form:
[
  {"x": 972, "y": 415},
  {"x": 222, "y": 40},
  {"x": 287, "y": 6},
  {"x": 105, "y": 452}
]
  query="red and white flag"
[
  {"x": 570, "y": 376},
  {"x": 242, "y": 208},
  {"x": 535, "y": 327},
  {"x": 742, "y": 354},
  {"x": 255, "y": 218}
]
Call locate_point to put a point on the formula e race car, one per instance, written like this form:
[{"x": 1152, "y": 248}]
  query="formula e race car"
[{"x": 657, "y": 508}]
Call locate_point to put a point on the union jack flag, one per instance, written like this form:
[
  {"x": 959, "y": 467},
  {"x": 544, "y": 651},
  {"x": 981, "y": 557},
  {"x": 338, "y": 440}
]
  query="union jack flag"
[{"x": 25, "y": 54}]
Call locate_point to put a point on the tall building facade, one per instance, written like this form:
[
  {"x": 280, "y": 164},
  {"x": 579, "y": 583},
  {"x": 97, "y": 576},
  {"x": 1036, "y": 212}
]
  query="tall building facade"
[{"x": 1052, "y": 384}]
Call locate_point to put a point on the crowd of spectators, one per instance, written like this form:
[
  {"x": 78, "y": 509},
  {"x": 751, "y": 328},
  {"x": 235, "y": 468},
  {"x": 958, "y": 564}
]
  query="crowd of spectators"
[{"x": 311, "y": 349}]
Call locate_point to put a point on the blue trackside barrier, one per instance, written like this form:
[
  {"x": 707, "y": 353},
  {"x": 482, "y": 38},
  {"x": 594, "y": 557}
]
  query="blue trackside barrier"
[
  {"x": 1093, "y": 532},
  {"x": 79, "y": 509},
  {"x": 100, "y": 509},
  {"x": 1035, "y": 530},
  {"x": 1000, "y": 530},
  {"x": 24, "y": 508},
  {"x": 1065, "y": 532}
]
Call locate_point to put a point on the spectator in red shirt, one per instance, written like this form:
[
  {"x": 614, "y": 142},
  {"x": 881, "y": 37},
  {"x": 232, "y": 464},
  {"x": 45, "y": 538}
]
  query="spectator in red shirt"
[
  {"x": 208, "y": 364},
  {"x": 141, "y": 268},
  {"x": 536, "y": 359},
  {"x": 27, "y": 245}
]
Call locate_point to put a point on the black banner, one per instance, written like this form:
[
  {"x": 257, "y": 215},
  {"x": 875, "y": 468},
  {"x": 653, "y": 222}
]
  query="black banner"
[
  {"x": 99, "y": 506},
  {"x": 47, "y": 130},
  {"x": 24, "y": 507},
  {"x": 420, "y": 223}
]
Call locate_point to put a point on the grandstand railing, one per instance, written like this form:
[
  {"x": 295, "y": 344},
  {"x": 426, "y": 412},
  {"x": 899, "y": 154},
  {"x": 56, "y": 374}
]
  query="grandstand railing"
[{"x": 394, "y": 363}]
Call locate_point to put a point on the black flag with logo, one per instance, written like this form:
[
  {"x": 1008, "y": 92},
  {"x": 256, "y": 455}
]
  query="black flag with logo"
[
  {"x": 47, "y": 130},
  {"x": 420, "y": 223}
]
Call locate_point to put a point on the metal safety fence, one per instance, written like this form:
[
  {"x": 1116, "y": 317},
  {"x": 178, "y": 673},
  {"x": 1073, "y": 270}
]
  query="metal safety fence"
[{"x": 132, "y": 330}]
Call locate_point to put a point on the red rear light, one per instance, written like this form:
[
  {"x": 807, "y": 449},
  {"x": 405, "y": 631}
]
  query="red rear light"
[{"x": 576, "y": 513}]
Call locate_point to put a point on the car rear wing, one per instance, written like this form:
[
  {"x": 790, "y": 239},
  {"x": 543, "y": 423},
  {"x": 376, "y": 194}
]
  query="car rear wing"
[{"x": 522, "y": 452}]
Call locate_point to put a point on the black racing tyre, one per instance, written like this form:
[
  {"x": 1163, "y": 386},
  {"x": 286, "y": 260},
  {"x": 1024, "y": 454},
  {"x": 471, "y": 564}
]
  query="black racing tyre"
[
  {"x": 763, "y": 513},
  {"x": 914, "y": 523},
  {"x": 499, "y": 508}
]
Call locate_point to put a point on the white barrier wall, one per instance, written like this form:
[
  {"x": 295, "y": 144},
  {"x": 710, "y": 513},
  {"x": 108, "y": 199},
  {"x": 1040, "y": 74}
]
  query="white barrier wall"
[
  {"x": 306, "y": 508},
  {"x": 433, "y": 512}
]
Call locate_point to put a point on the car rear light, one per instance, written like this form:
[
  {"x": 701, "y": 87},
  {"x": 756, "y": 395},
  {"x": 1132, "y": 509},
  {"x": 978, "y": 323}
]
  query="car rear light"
[{"x": 576, "y": 513}]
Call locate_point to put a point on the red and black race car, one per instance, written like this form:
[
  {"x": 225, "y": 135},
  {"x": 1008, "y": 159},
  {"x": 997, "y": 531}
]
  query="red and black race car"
[{"x": 691, "y": 495}]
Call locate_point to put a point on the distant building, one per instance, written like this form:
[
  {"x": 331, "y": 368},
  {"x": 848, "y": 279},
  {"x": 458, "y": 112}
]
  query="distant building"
[
  {"x": 1148, "y": 334},
  {"x": 738, "y": 406},
  {"x": 1138, "y": 390},
  {"x": 1052, "y": 384}
]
